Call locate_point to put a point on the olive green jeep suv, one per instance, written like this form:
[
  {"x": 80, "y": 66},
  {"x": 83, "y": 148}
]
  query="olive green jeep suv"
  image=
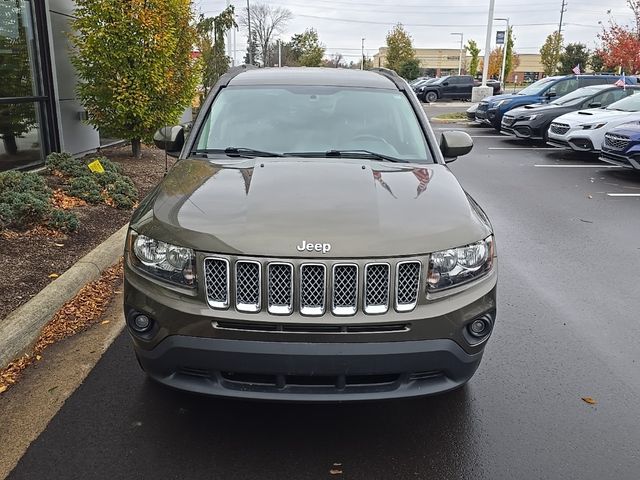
[{"x": 310, "y": 245}]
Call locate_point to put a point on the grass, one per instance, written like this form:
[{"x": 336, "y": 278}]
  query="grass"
[{"x": 452, "y": 116}]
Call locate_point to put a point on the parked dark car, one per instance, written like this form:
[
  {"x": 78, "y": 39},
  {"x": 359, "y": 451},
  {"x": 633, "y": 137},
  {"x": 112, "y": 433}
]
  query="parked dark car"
[
  {"x": 622, "y": 146},
  {"x": 452, "y": 87},
  {"x": 532, "y": 121},
  {"x": 311, "y": 244},
  {"x": 492, "y": 109}
]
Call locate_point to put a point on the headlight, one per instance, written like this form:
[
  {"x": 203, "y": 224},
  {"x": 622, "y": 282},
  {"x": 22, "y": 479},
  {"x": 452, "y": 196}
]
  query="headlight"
[
  {"x": 530, "y": 117},
  {"x": 501, "y": 102},
  {"x": 456, "y": 266},
  {"x": 592, "y": 126},
  {"x": 162, "y": 260}
]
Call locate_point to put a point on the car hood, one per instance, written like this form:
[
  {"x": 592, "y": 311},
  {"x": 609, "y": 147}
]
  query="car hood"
[
  {"x": 594, "y": 115},
  {"x": 540, "y": 108},
  {"x": 631, "y": 130},
  {"x": 506, "y": 96},
  {"x": 269, "y": 206}
]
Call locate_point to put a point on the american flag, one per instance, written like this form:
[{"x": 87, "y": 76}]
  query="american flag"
[
  {"x": 621, "y": 83},
  {"x": 423, "y": 175},
  {"x": 576, "y": 69}
]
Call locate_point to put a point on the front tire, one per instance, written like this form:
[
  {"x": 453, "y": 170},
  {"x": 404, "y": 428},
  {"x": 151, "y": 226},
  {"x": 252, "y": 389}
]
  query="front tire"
[{"x": 431, "y": 97}]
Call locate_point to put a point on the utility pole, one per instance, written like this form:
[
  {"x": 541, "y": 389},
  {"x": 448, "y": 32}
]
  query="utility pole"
[
  {"x": 229, "y": 44},
  {"x": 461, "y": 51},
  {"x": 562, "y": 11},
  {"x": 362, "y": 63},
  {"x": 250, "y": 36}
]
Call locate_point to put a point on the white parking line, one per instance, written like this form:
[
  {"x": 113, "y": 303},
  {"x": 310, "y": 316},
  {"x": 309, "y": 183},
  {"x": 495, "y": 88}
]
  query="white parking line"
[
  {"x": 487, "y": 136},
  {"x": 623, "y": 194},
  {"x": 590, "y": 165},
  {"x": 524, "y": 148}
]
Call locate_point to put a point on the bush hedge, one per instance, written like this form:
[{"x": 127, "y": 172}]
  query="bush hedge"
[
  {"x": 111, "y": 187},
  {"x": 25, "y": 202}
]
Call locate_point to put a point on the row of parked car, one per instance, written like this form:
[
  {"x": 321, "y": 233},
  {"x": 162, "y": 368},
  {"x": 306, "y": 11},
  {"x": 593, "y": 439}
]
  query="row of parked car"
[
  {"x": 454, "y": 87},
  {"x": 585, "y": 113}
]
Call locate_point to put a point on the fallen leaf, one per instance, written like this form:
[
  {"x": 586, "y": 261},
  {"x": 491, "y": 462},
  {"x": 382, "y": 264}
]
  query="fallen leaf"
[
  {"x": 52, "y": 389},
  {"x": 59, "y": 244},
  {"x": 104, "y": 322},
  {"x": 3, "y": 388},
  {"x": 335, "y": 471},
  {"x": 53, "y": 275},
  {"x": 38, "y": 357},
  {"x": 589, "y": 400}
]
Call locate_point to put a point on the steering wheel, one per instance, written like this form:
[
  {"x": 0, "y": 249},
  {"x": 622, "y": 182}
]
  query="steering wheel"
[{"x": 369, "y": 137}]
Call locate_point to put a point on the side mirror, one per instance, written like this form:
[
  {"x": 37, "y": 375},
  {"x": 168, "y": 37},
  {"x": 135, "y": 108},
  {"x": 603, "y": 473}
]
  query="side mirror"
[
  {"x": 170, "y": 139},
  {"x": 445, "y": 84},
  {"x": 595, "y": 105},
  {"x": 551, "y": 93},
  {"x": 454, "y": 144}
]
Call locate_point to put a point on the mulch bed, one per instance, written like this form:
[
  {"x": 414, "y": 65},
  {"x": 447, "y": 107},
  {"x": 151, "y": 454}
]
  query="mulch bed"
[{"x": 29, "y": 261}]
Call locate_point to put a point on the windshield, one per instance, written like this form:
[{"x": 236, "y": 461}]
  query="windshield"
[
  {"x": 577, "y": 96},
  {"x": 286, "y": 119},
  {"x": 537, "y": 87},
  {"x": 629, "y": 104}
]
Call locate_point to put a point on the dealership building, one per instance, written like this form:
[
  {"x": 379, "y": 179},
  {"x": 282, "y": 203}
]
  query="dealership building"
[
  {"x": 436, "y": 62},
  {"x": 39, "y": 109}
]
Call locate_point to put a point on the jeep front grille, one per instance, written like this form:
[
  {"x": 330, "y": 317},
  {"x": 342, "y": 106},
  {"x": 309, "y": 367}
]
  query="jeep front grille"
[
  {"x": 376, "y": 288},
  {"x": 280, "y": 297},
  {"x": 248, "y": 286},
  {"x": 313, "y": 289},
  {"x": 407, "y": 285},
  {"x": 345, "y": 289},
  {"x": 616, "y": 142}
]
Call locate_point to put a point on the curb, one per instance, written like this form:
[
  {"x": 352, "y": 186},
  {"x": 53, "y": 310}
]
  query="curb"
[{"x": 21, "y": 328}]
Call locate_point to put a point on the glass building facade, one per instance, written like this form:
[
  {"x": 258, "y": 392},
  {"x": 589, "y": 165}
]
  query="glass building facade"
[{"x": 39, "y": 110}]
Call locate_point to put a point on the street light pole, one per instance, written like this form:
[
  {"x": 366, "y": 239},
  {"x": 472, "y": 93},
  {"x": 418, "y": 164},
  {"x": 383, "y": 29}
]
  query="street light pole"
[
  {"x": 461, "y": 49},
  {"x": 362, "y": 63},
  {"x": 487, "y": 45},
  {"x": 250, "y": 37},
  {"x": 279, "y": 53},
  {"x": 504, "y": 51}
]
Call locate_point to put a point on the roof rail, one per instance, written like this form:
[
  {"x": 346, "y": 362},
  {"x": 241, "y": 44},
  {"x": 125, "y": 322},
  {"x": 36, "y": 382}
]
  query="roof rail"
[
  {"x": 391, "y": 75},
  {"x": 234, "y": 72}
]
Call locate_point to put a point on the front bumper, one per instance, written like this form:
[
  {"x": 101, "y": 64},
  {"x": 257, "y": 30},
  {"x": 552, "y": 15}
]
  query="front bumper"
[
  {"x": 315, "y": 372},
  {"x": 489, "y": 117},
  {"x": 578, "y": 144},
  {"x": 630, "y": 162}
]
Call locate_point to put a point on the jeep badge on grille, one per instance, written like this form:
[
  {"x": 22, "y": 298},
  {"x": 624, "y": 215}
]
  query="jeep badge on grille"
[{"x": 314, "y": 247}]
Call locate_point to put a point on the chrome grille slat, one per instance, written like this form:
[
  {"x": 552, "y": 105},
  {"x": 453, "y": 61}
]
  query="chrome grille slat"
[
  {"x": 345, "y": 289},
  {"x": 312, "y": 288},
  {"x": 216, "y": 274},
  {"x": 280, "y": 288},
  {"x": 376, "y": 292},
  {"x": 407, "y": 285},
  {"x": 248, "y": 286}
]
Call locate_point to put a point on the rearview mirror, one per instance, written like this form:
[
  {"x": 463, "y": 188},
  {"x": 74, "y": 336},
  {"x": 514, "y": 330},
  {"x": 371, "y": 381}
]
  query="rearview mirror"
[
  {"x": 170, "y": 139},
  {"x": 454, "y": 144}
]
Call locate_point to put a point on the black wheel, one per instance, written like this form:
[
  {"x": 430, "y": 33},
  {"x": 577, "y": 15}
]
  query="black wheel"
[{"x": 431, "y": 97}]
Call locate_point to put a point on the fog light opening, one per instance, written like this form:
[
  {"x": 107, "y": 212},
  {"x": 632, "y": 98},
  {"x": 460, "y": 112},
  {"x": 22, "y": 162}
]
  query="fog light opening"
[
  {"x": 479, "y": 328},
  {"x": 141, "y": 323}
]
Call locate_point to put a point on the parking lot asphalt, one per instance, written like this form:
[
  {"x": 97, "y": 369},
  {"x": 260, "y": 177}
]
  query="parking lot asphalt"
[{"x": 567, "y": 329}]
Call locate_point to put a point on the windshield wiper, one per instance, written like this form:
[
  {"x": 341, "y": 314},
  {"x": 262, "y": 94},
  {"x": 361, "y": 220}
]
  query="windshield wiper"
[
  {"x": 238, "y": 152},
  {"x": 354, "y": 153}
]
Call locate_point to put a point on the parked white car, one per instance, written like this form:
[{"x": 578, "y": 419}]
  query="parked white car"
[{"x": 583, "y": 131}]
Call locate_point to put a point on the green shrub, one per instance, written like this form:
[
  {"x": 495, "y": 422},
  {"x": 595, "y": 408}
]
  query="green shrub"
[
  {"x": 63, "y": 220},
  {"x": 94, "y": 187},
  {"x": 86, "y": 188},
  {"x": 25, "y": 201}
]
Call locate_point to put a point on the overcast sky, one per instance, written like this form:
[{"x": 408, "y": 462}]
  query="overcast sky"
[{"x": 341, "y": 24}]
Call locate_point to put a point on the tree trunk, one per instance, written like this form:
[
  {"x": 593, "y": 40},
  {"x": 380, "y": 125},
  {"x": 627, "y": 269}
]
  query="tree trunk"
[
  {"x": 136, "y": 148},
  {"x": 10, "y": 145}
]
